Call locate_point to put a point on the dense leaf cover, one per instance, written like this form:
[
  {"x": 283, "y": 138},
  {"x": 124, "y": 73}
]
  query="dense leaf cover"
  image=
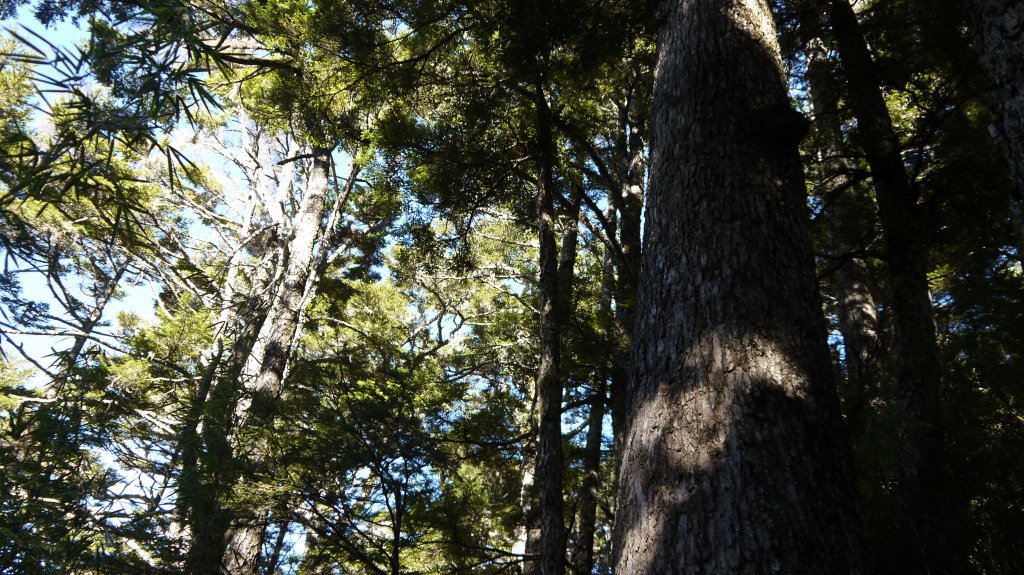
[{"x": 340, "y": 198}]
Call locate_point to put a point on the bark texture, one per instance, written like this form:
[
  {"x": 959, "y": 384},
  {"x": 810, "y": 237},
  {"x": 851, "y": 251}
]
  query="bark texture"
[
  {"x": 734, "y": 460},
  {"x": 998, "y": 27}
]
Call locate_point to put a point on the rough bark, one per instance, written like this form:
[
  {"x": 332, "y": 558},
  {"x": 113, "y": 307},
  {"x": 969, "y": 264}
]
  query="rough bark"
[
  {"x": 529, "y": 536},
  {"x": 998, "y": 26},
  {"x": 923, "y": 478},
  {"x": 193, "y": 500},
  {"x": 282, "y": 323},
  {"x": 847, "y": 229},
  {"x": 734, "y": 460},
  {"x": 209, "y": 467},
  {"x": 549, "y": 384},
  {"x": 584, "y": 559}
]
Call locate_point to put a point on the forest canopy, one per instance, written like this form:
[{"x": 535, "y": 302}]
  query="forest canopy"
[{"x": 544, "y": 288}]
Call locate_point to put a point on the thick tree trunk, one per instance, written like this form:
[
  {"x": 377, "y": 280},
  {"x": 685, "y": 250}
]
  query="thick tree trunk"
[
  {"x": 998, "y": 26},
  {"x": 549, "y": 384},
  {"x": 209, "y": 468},
  {"x": 734, "y": 460},
  {"x": 923, "y": 479},
  {"x": 847, "y": 228}
]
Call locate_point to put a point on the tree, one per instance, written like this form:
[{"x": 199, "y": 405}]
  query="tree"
[
  {"x": 319, "y": 391},
  {"x": 734, "y": 459},
  {"x": 924, "y": 476},
  {"x": 996, "y": 25},
  {"x": 849, "y": 228}
]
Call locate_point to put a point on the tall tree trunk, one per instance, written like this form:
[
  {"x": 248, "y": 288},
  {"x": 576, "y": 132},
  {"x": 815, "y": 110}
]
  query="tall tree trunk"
[
  {"x": 281, "y": 327},
  {"x": 734, "y": 459},
  {"x": 549, "y": 385},
  {"x": 923, "y": 478},
  {"x": 208, "y": 474},
  {"x": 998, "y": 26},
  {"x": 274, "y": 345},
  {"x": 846, "y": 229},
  {"x": 583, "y": 561}
]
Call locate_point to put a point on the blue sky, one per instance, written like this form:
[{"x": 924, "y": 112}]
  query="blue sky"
[{"x": 137, "y": 299}]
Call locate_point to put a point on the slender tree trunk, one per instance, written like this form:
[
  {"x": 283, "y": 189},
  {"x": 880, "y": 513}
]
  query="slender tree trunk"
[
  {"x": 998, "y": 26},
  {"x": 530, "y": 536},
  {"x": 923, "y": 480},
  {"x": 395, "y": 555},
  {"x": 846, "y": 229},
  {"x": 629, "y": 204},
  {"x": 734, "y": 459},
  {"x": 584, "y": 559},
  {"x": 549, "y": 384},
  {"x": 275, "y": 555}
]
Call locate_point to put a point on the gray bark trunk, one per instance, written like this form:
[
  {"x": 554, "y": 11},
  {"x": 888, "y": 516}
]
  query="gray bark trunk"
[
  {"x": 274, "y": 345},
  {"x": 733, "y": 460},
  {"x": 281, "y": 327},
  {"x": 998, "y": 26}
]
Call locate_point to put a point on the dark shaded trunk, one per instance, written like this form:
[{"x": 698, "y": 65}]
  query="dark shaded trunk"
[
  {"x": 848, "y": 228},
  {"x": 923, "y": 478},
  {"x": 733, "y": 459},
  {"x": 209, "y": 468},
  {"x": 275, "y": 554},
  {"x": 997, "y": 26},
  {"x": 549, "y": 385},
  {"x": 395, "y": 558},
  {"x": 532, "y": 535},
  {"x": 584, "y": 559}
]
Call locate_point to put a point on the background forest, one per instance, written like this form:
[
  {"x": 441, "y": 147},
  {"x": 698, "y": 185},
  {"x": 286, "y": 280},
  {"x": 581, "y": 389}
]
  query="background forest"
[{"x": 346, "y": 286}]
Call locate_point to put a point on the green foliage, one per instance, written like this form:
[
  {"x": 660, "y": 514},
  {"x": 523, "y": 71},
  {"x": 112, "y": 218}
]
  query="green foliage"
[{"x": 404, "y": 428}]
